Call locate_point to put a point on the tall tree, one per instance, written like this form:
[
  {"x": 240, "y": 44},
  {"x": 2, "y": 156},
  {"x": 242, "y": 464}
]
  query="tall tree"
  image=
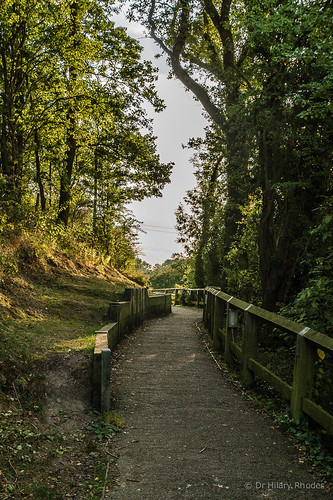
[
  {"x": 199, "y": 42},
  {"x": 72, "y": 61},
  {"x": 73, "y": 90},
  {"x": 262, "y": 73},
  {"x": 199, "y": 230},
  {"x": 290, "y": 43},
  {"x": 16, "y": 20}
]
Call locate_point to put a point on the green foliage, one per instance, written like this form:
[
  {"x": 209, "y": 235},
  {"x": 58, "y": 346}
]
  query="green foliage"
[
  {"x": 202, "y": 229},
  {"x": 138, "y": 271},
  {"x": 177, "y": 271},
  {"x": 71, "y": 113},
  {"x": 263, "y": 74},
  {"x": 314, "y": 303},
  {"x": 136, "y": 276},
  {"x": 313, "y": 443},
  {"x": 243, "y": 258},
  {"x": 114, "y": 418},
  {"x": 18, "y": 440},
  {"x": 107, "y": 424}
]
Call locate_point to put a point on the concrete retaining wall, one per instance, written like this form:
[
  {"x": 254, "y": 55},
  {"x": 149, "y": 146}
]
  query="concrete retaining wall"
[
  {"x": 156, "y": 304},
  {"x": 125, "y": 315}
]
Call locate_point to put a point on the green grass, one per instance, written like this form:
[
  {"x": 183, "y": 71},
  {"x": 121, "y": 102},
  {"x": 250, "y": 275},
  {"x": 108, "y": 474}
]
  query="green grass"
[
  {"x": 63, "y": 312},
  {"x": 43, "y": 314}
]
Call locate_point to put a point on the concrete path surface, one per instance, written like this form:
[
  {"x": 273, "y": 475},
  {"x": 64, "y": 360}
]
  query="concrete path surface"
[{"x": 190, "y": 434}]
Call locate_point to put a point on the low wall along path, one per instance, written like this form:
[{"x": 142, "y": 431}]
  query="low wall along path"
[{"x": 189, "y": 433}]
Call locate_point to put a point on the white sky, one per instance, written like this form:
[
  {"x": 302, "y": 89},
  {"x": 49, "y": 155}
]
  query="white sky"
[{"x": 181, "y": 120}]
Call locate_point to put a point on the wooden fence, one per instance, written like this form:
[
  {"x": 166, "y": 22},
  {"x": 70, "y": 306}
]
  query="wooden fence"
[
  {"x": 184, "y": 296},
  {"x": 221, "y": 314},
  {"x": 220, "y": 318},
  {"x": 124, "y": 315}
]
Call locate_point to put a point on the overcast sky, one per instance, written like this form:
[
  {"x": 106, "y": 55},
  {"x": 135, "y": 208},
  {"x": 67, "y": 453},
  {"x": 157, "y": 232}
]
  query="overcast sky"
[{"x": 181, "y": 120}]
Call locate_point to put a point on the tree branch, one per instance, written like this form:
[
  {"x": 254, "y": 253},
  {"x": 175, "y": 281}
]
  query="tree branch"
[
  {"x": 221, "y": 23},
  {"x": 205, "y": 66},
  {"x": 198, "y": 90},
  {"x": 152, "y": 25}
]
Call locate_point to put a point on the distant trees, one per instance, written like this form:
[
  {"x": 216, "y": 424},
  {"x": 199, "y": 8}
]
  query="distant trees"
[
  {"x": 201, "y": 231},
  {"x": 72, "y": 118},
  {"x": 263, "y": 73},
  {"x": 173, "y": 272}
]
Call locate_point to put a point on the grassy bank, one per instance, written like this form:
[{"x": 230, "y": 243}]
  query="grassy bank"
[{"x": 50, "y": 306}]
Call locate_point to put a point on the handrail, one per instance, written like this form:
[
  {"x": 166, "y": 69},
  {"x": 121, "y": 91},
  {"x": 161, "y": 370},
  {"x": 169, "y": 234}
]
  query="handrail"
[
  {"x": 217, "y": 315},
  {"x": 321, "y": 340},
  {"x": 217, "y": 318},
  {"x": 194, "y": 296},
  {"x": 176, "y": 288}
]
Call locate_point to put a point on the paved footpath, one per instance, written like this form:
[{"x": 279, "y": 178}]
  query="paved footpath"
[{"x": 190, "y": 434}]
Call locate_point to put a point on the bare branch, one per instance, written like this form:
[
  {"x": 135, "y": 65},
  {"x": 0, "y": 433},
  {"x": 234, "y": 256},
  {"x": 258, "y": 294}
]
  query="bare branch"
[{"x": 152, "y": 25}]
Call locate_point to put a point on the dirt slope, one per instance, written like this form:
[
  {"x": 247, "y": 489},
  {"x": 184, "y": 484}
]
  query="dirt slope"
[{"x": 52, "y": 446}]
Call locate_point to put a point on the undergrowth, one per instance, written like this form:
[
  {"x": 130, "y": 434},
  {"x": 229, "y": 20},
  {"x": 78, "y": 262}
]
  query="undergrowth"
[
  {"x": 54, "y": 294},
  {"x": 31, "y": 454}
]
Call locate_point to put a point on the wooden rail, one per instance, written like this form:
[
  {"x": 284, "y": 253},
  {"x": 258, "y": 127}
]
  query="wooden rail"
[
  {"x": 184, "y": 296},
  {"x": 219, "y": 317}
]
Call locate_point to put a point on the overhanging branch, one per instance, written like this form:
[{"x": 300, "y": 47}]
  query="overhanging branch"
[{"x": 181, "y": 73}]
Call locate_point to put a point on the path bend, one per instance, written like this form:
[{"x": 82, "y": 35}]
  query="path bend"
[{"x": 190, "y": 434}]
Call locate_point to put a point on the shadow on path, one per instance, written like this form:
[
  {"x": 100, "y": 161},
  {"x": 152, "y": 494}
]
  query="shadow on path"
[{"x": 189, "y": 433}]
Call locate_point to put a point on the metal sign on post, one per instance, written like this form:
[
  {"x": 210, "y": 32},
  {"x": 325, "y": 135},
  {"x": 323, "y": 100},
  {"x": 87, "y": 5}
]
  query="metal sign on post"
[
  {"x": 299, "y": 340},
  {"x": 233, "y": 318}
]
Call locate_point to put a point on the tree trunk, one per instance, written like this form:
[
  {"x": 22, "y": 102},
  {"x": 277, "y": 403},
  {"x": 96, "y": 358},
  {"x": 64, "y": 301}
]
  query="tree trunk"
[
  {"x": 277, "y": 235},
  {"x": 38, "y": 173},
  {"x": 95, "y": 193},
  {"x": 6, "y": 167},
  {"x": 66, "y": 174},
  {"x": 50, "y": 183},
  {"x": 67, "y": 171},
  {"x": 14, "y": 79}
]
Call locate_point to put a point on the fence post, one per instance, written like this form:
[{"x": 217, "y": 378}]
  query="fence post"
[
  {"x": 205, "y": 308},
  {"x": 304, "y": 369},
  {"x": 227, "y": 352},
  {"x": 114, "y": 315},
  {"x": 141, "y": 305},
  {"x": 208, "y": 309},
  {"x": 137, "y": 306},
  {"x": 105, "y": 380},
  {"x": 211, "y": 314},
  {"x": 145, "y": 302},
  {"x": 129, "y": 297},
  {"x": 249, "y": 346},
  {"x": 217, "y": 322}
]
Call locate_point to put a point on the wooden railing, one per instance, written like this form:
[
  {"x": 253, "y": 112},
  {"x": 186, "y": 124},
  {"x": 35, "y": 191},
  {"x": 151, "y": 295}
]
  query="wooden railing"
[
  {"x": 183, "y": 296},
  {"x": 220, "y": 318},
  {"x": 221, "y": 314}
]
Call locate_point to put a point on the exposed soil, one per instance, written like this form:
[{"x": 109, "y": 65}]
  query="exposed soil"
[
  {"x": 75, "y": 470},
  {"x": 52, "y": 444},
  {"x": 68, "y": 391},
  {"x": 183, "y": 420}
]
